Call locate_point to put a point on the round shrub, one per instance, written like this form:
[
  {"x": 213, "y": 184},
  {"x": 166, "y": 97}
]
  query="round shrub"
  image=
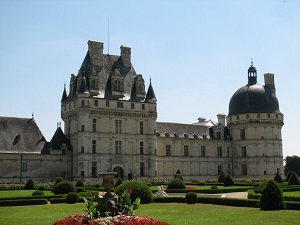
[
  {"x": 191, "y": 197},
  {"x": 64, "y": 187},
  {"x": 58, "y": 179},
  {"x": 139, "y": 190},
  {"x": 294, "y": 180},
  {"x": 80, "y": 189},
  {"x": 201, "y": 183},
  {"x": 97, "y": 185},
  {"x": 72, "y": 198},
  {"x": 29, "y": 185},
  {"x": 278, "y": 178},
  {"x": 228, "y": 181},
  {"x": 37, "y": 193},
  {"x": 221, "y": 177},
  {"x": 288, "y": 176},
  {"x": 214, "y": 187},
  {"x": 42, "y": 188},
  {"x": 79, "y": 183},
  {"x": 271, "y": 197},
  {"x": 119, "y": 181},
  {"x": 176, "y": 183}
]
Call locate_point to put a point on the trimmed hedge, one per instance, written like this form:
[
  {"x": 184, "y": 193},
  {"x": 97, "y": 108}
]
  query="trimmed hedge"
[
  {"x": 38, "y": 193},
  {"x": 176, "y": 183},
  {"x": 58, "y": 200},
  {"x": 48, "y": 197},
  {"x": 20, "y": 202}
]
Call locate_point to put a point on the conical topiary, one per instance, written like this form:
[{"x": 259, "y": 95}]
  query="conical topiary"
[
  {"x": 278, "y": 178},
  {"x": 178, "y": 175},
  {"x": 79, "y": 183},
  {"x": 29, "y": 185},
  {"x": 294, "y": 180},
  {"x": 228, "y": 181},
  {"x": 271, "y": 197},
  {"x": 288, "y": 176},
  {"x": 221, "y": 177}
]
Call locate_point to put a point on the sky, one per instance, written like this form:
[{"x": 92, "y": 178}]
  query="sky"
[{"x": 196, "y": 52}]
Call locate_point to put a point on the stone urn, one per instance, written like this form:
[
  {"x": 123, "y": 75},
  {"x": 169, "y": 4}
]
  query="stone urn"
[{"x": 108, "y": 182}]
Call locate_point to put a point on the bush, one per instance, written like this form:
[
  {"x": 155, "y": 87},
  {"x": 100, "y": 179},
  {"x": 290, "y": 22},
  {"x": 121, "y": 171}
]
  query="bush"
[
  {"x": 221, "y": 177},
  {"x": 58, "y": 200},
  {"x": 178, "y": 175},
  {"x": 176, "y": 183},
  {"x": 271, "y": 197},
  {"x": 42, "y": 188},
  {"x": 288, "y": 176},
  {"x": 119, "y": 181},
  {"x": 262, "y": 186},
  {"x": 278, "y": 178},
  {"x": 201, "y": 183},
  {"x": 58, "y": 179},
  {"x": 29, "y": 185},
  {"x": 214, "y": 187},
  {"x": 228, "y": 181},
  {"x": 191, "y": 197},
  {"x": 19, "y": 202},
  {"x": 80, "y": 189},
  {"x": 139, "y": 190},
  {"x": 37, "y": 193},
  {"x": 72, "y": 198},
  {"x": 64, "y": 187},
  {"x": 79, "y": 183},
  {"x": 294, "y": 180}
]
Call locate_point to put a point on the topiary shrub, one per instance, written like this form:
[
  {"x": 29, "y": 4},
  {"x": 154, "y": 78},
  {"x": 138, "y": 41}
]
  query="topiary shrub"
[
  {"x": 80, "y": 189},
  {"x": 294, "y": 180},
  {"x": 29, "y": 185},
  {"x": 271, "y": 197},
  {"x": 138, "y": 190},
  {"x": 201, "y": 183},
  {"x": 178, "y": 175},
  {"x": 221, "y": 177},
  {"x": 37, "y": 193},
  {"x": 191, "y": 197},
  {"x": 79, "y": 183},
  {"x": 214, "y": 187},
  {"x": 42, "y": 188},
  {"x": 64, "y": 187},
  {"x": 72, "y": 198},
  {"x": 97, "y": 185},
  {"x": 278, "y": 178},
  {"x": 262, "y": 186},
  {"x": 119, "y": 181},
  {"x": 228, "y": 181},
  {"x": 58, "y": 179},
  {"x": 288, "y": 176},
  {"x": 176, "y": 183}
]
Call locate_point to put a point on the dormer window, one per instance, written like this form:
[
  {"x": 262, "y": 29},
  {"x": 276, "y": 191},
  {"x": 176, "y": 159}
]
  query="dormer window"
[
  {"x": 139, "y": 86},
  {"x": 117, "y": 83}
]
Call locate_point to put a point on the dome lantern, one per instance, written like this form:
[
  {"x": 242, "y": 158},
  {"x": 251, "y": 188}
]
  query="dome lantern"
[{"x": 252, "y": 74}]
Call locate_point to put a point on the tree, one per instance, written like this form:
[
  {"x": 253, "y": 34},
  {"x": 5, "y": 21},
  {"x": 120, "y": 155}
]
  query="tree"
[
  {"x": 292, "y": 163},
  {"x": 228, "y": 181},
  {"x": 278, "y": 178},
  {"x": 294, "y": 180},
  {"x": 271, "y": 197},
  {"x": 221, "y": 177}
]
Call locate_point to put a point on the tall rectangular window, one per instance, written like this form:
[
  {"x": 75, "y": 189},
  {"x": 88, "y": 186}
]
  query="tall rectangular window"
[
  {"x": 93, "y": 146},
  {"x": 120, "y": 104},
  {"x": 219, "y": 135},
  {"x": 203, "y": 151},
  {"x": 132, "y": 105},
  {"x": 107, "y": 103},
  {"x": 118, "y": 126},
  {"x": 186, "y": 150},
  {"x": 94, "y": 169},
  {"x": 24, "y": 166},
  {"x": 141, "y": 148},
  {"x": 82, "y": 173},
  {"x": 219, "y": 151},
  {"x": 243, "y": 151},
  {"x": 143, "y": 106},
  {"x": 228, "y": 151},
  {"x": 82, "y": 128},
  {"x": 220, "y": 169},
  {"x": 141, "y": 127},
  {"x": 118, "y": 147},
  {"x": 142, "y": 169},
  {"x": 244, "y": 169},
  {"x": 242, "y": 134},
  {"x": 94, "y": 125},
  {"x": 82, "y": 149},
  {"x": 168, "y": 150},
  {"x": 96, "y": 102}
]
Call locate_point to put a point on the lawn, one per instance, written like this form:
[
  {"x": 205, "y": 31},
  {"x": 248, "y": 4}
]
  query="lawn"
[
  {"x": 173, "y": 213},
  {"x": 20, "y": 193}
]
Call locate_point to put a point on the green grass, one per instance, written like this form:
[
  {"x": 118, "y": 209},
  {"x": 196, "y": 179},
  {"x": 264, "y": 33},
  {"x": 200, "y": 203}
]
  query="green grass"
[
  {"x": 20, "y": 193},
  {"x": 292, "y": 193},
  {"x": 173, "y": 213}
]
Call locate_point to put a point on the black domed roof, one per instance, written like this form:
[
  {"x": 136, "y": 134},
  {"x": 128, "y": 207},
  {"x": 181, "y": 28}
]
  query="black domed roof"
[{"x": 253, "y": 98}]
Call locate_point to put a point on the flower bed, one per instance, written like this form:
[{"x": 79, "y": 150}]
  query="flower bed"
[{"x": 82, "y": 219}]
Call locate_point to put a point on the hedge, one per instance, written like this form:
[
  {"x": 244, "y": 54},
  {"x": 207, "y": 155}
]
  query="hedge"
[
  {"x": 20, "y": 202},
  {"x": 48, "y": 197},
  {"x": 208, "y": 191},
  {"x": 253, "y": 195},
  {"x": 58, "y": 200}
]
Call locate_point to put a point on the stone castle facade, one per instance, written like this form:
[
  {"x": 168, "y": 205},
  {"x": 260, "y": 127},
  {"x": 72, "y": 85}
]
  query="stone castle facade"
[{"x": 110, "y": 124}]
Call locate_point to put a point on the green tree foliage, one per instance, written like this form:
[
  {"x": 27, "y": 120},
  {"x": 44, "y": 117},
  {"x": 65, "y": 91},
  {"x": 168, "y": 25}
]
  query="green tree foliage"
[
  {"x": 292, "y": 163},
  {"x": 271, "y": 197},
  {"x": 79, "y": 183},
  {"x": 191, "y": 197},
  {"x": 294, "y": 180},
  {"x": 278, "y": 178},
  {"x": 228, "y": 181},
  {"x": 138, "y": 190},
  {"x": 288, "y": 176},
  {"x": 176, "y": 183},
  {"x": 29, "y": 185},
  {"x": 64, "y": 187},
  {"x": 221, "y": 177}
]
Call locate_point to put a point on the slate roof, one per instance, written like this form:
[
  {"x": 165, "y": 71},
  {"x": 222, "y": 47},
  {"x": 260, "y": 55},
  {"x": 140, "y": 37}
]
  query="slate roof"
[
  {"x": 58, "y": 139},
  {"x": 150, "y": 93},
  {"x": 20, "y": 135},
  {"x": 181, "y": 129}
]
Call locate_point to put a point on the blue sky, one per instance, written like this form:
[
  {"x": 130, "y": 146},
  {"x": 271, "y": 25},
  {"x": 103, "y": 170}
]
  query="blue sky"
[{"x": 196, "y": 52}]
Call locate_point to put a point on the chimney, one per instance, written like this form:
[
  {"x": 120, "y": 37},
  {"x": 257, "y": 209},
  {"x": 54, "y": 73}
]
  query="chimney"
[
  {"x": 96, "y": 52},
  {"x": 201, "y": 119},
  {"x": 221, "y": 118},
  {"x": 269, "y": 82},
  {"x": 126, "y": 56}
]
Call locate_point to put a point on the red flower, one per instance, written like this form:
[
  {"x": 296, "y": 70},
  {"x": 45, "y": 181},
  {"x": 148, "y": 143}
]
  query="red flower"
[{"x": 130, "y": 191}]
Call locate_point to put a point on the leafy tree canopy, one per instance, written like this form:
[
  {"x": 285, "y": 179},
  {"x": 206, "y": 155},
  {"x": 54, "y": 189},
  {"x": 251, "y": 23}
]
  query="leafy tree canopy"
[{"x": 292, "y": 163}]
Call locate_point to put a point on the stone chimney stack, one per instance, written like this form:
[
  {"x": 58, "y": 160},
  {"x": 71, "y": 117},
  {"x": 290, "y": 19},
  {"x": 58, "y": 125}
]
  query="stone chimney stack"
[
  {"x": 269, "y": 82},
  {"x": 221, "y": 118},
  {"x": 126, "y": 55},
  {"x": 96, "y": 52}
]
